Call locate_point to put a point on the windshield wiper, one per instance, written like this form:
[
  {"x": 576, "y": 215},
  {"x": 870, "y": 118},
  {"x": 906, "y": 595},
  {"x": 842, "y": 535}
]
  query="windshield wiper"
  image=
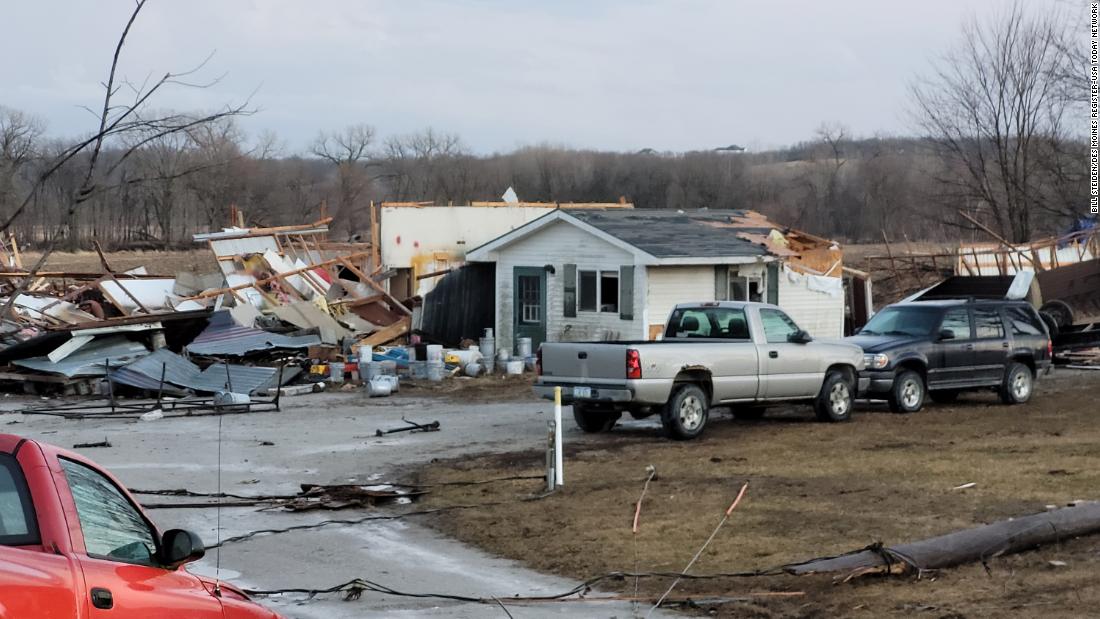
[
  {"x": 897, "y": 333},
  {"x": 867, "y": 332}
]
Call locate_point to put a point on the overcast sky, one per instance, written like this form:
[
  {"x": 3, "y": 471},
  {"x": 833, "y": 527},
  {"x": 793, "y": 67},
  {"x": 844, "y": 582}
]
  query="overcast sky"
[{"x": 607, "y": 74}]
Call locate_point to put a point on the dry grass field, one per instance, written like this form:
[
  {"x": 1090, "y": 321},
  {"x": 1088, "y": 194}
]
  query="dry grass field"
[{"x": 815, "y": 490}]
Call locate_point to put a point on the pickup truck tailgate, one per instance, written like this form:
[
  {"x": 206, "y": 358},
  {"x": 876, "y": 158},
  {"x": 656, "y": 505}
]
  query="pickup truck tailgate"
[{"x": 580, "y": 362}]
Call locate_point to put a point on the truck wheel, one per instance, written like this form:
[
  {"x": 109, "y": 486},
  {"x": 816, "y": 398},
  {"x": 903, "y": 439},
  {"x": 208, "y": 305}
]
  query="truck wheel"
[
  {"x": 685, "y": 413},
  {"x": 594, "y": 420},
  {"x": 1016, "y": 388},
  {"x": 748, "y": 413},
  {"x": 944, "y": 396},
  {"x": 907, "y": 393},
  {"x": 834, "y": 401}
]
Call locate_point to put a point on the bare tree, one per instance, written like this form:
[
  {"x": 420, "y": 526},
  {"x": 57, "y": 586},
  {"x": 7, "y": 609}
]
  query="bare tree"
[
  {"x": 995, "y": 110},
  {"x": 19, "y": 137},
  {"x": 116, "y": 121},
  {"x": 348, "y": 150}
]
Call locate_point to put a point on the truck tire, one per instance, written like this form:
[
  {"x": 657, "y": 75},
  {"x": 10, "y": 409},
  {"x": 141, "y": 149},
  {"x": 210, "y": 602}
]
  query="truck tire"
[
  {"x": 944, "y": 396},
  {"x": 907, "y": 392},
  {"x": 1017, "y": 385},
  {"x": 834, "y": 401},
  {"x": 594, "y": 420},
  {"x": 685, "y": 413}
]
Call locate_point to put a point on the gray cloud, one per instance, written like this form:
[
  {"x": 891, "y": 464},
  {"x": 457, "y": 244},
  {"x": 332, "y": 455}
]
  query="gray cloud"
[{"x": 611, "y": 74}]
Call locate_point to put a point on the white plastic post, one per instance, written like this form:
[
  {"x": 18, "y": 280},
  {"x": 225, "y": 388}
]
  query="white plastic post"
[{"x": 558, "y": 472}]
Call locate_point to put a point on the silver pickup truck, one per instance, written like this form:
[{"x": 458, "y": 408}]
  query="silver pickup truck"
[{"x": 736, "y": 354}]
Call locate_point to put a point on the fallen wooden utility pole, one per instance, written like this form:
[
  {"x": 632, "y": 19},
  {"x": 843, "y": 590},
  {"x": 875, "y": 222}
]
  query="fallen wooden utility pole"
[{"x": 967, "y": 546}]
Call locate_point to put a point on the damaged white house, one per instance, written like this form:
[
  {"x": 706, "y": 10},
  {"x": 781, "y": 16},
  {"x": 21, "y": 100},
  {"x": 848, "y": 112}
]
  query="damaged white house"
[{"x": 616, "y": 274}]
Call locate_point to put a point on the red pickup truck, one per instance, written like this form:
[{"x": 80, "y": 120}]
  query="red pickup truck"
[{"x": 75, "y": 544}]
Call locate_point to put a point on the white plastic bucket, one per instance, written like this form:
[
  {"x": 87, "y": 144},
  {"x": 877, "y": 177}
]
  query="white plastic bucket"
[
  {"x": 515, "y": 367},
  {"x": 435, "y": 371},
  {"x": 435, "y": 353},
  {"x": 487, "y": 346},
  {"x": 379, "y": 387},
  {"x": 523, "y": 347}
]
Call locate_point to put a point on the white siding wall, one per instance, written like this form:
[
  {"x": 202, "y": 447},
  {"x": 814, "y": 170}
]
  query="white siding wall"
[
  {"x": 817, "y": 312},
  {"x": 669, "y": 285},
  {"x": 559, "y": 244}
]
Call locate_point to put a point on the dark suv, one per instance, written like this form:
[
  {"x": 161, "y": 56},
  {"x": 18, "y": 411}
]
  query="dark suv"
[{"x": 939, "y": 348}]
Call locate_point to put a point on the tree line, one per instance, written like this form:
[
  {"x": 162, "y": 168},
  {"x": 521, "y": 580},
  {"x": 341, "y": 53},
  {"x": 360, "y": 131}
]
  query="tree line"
[{"x": 997, "y": 136}]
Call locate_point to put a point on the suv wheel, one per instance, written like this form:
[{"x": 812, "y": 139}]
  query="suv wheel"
[
  {"x": 594, "y": 420},
  {"x": 907, "y": 393},
  {"x": 1017, "y": 386},
  {"x": 834, "y": 401},
  {"x": 685, "y": 413}
]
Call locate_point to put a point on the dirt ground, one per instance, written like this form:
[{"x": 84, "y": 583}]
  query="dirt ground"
[
  {"x": 485, "y": 388},
  {"x": 815, "y": 490}
]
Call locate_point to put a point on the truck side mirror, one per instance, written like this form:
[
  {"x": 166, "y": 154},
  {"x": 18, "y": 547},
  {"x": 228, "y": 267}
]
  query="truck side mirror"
[
  {"x": 947, "y": 334},
  {"x": 179, "y": 546},
  {"x": 800, "y": 337}
]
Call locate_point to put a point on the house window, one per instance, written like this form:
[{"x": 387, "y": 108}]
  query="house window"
[
  {"x": 530, "y": 301},
  {"x": 609, "y": 291},
  {"x": 744, "y": 288},
  {"x": 599, "y": 291},
  {"x": 589, "y": 287}
]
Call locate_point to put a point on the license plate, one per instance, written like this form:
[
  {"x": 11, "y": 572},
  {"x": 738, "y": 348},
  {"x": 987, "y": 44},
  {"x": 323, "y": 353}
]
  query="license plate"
[{"x": 582, "y": 393}]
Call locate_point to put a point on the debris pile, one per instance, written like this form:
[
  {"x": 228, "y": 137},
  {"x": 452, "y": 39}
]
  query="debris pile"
[{"x": 285, "y": 304}]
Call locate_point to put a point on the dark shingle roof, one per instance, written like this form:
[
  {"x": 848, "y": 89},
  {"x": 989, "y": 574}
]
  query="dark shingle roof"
[{"x": 687, "y": 234}]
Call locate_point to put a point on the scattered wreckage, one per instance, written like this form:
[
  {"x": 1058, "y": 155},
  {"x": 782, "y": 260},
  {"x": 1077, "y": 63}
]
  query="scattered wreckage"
[{"x": 281, "y": 297}]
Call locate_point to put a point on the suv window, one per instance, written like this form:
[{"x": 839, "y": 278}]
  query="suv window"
[
  {"x": 987, "y": 323},
  {"x": 1022, "y": 321},
  {"x": 18, "y": 524},
  {"x": 113, "y": 528},
  {"x": 716, "y": 323},
  {"x": 901, "y": 320},
  {"x": 957, "y": 320},
  {"x": 777, "y": 325}
]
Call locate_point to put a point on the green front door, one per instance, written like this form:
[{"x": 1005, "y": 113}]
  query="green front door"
[{"x": 529, "y": 301}]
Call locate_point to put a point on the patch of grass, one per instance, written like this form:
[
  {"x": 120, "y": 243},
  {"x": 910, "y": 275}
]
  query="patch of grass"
[{"x": 815, "y": 490}]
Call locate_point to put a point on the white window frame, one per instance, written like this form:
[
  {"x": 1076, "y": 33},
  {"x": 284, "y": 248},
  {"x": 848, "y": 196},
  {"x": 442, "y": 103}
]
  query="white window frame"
[
  {"x": 745, "y": 280},
  {"x": 600, "y": 271}
]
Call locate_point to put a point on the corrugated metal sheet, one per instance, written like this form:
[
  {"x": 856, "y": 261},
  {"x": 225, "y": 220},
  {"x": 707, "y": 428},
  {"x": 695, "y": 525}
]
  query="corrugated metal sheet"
[
  {"x": 146, "y": 374},
  {"x": 462, "y": 305},
  {"x": 223, "y": 336},
  {"x": 91, "y": 359}
]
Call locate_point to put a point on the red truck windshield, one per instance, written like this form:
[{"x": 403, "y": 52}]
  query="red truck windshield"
[{"x": 18, "y": 525}]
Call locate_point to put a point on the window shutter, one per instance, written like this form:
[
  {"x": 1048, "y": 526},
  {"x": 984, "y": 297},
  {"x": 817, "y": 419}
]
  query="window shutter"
[
  {"x": 569, "y": 279},
  {"x": 721, "y": 282},
  {"x": 626, "y": 292},
  {"x": 773, "y": 283}
]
